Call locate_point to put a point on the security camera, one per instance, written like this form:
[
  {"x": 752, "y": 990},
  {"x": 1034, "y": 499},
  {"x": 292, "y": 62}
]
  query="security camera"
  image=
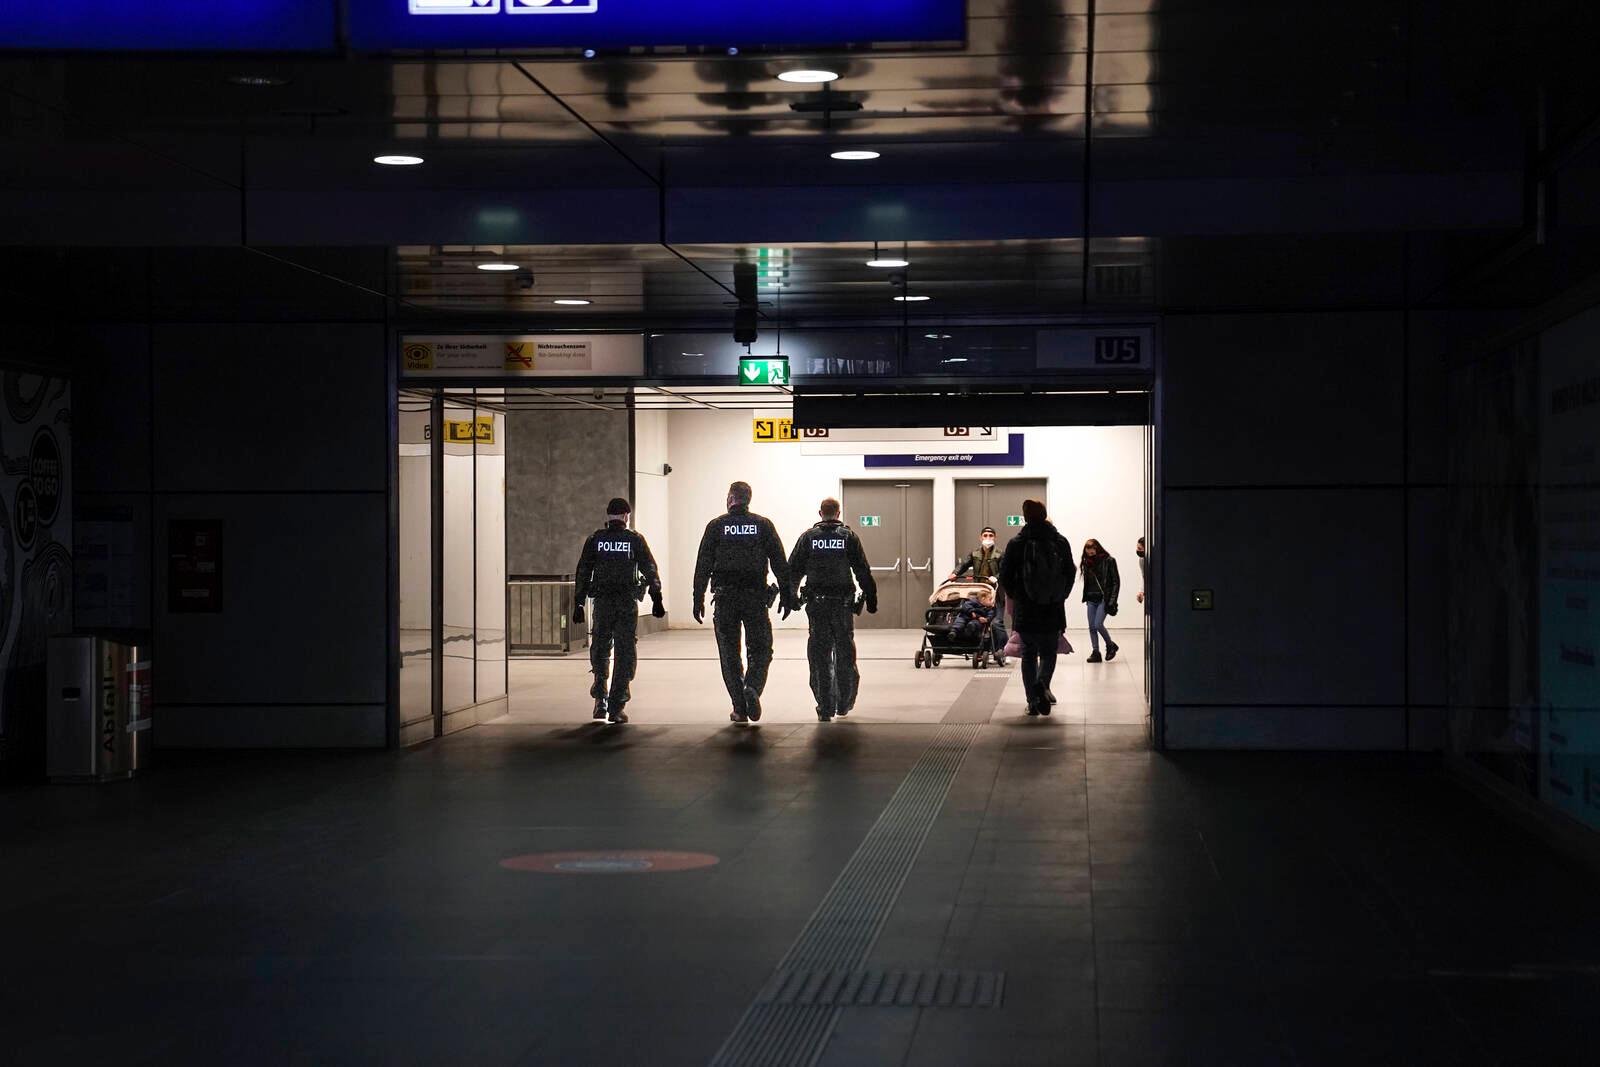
[
  {"x": 897, "y": 280},
  {"x": 666, "y": 469},
  {"x": 524, "y": 281},
  {"x": 599, "y": 394}
]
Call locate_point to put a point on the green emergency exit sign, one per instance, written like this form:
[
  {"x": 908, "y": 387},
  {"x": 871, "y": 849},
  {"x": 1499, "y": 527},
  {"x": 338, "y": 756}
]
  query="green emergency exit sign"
[
  {"x": 764, "y": 371},
  {"x": 1013, "y": 520},
  {"x": 872, "y": 520}
]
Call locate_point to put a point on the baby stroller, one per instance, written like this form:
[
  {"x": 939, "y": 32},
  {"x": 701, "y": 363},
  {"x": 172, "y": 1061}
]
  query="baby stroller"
[{"x": 959, "y": 622}]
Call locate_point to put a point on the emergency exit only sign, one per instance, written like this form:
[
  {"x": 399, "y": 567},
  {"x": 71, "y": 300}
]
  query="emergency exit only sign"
[{"x": 764, "y": 371}]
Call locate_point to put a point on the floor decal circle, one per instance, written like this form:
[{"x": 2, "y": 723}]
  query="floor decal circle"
[{"x": 616, "y": 861}]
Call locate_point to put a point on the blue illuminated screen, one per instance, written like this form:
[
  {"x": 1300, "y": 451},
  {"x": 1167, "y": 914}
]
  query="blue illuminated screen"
[
  {"x": 168, "y": 25},
  {"x": 377, "y": 25}
]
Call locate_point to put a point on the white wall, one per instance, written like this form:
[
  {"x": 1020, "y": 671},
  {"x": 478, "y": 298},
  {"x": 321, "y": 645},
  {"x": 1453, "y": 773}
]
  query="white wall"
[
  {"x": 1095, "y": 475},
  {"x": 650, "y": 491}
]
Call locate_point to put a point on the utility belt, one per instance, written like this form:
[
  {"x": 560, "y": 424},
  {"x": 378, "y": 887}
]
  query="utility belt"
[{"x": 831, "y": 599}]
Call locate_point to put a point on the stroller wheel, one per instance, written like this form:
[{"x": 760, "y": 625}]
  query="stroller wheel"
[
  {"x": 916, "y": 661},
  {"x": 937, "y": 659}
]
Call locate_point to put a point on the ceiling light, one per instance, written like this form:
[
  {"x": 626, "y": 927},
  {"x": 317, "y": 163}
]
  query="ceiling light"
[
  {"x": 937, "y": 336},
  {"x": 808, "y": 77},
  {"x": 889, "y": 262},
  {"x": 854, "y": 154},
  {"x": 397, "y": 161},
  {"x": 257, "y": 81},
  {"x": 912, "y": 299},
  {"x": 954, "y": 359},
  {"x": 569, "y": 301},
  {"x": 497, "y": 266},
  {"x": 733, "y": 51}
]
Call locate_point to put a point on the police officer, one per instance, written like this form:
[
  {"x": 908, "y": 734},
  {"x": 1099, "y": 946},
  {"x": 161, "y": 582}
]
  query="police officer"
[
  {"x": 825, "y": 558},
  {"x": 735, "y": 552},
  {"x": 616, "y": 568},
  {"x": 984, "y": 562}
]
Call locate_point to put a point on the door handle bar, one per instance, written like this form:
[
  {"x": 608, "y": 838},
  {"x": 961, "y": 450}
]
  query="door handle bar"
[
  {"x": 928, "y": 566},
  {"x": 895, "y": 567}
]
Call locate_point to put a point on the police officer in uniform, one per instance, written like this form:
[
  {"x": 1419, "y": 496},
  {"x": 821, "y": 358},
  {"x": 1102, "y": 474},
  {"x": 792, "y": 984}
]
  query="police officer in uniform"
[
  {"x": 735, "y": 552},
  {"x": 616, "y": 568},
  {"x": 829, "y": 559}
]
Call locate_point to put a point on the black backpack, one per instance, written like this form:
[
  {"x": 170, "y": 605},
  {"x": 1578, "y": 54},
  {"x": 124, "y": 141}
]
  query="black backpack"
[{"x": 1046, "y": 570}]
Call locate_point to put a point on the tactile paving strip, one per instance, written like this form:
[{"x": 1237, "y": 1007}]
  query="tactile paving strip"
[
  {"x": 886, "y": 988},
  {"x": 841, "y": 932}
]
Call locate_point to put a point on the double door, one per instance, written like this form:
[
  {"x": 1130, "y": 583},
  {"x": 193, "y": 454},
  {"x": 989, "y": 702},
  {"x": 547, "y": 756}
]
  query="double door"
[
  {"x": 993, "y": 502},
  {"x": 895, "y": 523}
]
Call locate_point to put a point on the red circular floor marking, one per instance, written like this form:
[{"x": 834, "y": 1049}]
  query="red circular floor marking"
[{"x": 617, "y": 861}]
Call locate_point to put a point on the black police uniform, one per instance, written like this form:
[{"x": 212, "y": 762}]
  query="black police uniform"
[
  {"x": 614, "y": 560},
  {"x": 735, "y": 552},
  {"x": 829, "y": 559}
]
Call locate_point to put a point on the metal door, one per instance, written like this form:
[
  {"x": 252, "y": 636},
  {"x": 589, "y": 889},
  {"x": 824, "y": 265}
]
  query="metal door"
[
  {"x": 984, "y": 502},
  {"x": 895, "y": 523}
]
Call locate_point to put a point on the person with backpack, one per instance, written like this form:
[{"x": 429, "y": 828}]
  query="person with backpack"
[
  {"x": 1037, "y": 574},
  {"x": 1101, "y": 587}
]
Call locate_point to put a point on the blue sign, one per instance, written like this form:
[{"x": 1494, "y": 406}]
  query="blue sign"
[
  {"x": 1011, "y": 457},
  {"x": 168, "y": 25},
  {"x": 380, "y": 25}
]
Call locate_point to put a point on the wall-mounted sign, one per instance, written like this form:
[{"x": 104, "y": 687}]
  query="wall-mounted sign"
[
  {"x": 764, "y": 371},
  {"x": 871, "y": 520},
  {"x": 379, "y": 25},
  {"x": 1012, "y": 457},
  {"x": 168, "y": 25},
  {"x": 520, "y": 356},
  {"x": 766, "y": 431},
  {"x": 469, "y": 431},
  {"x": 1100, "y": 348},
  {"x": 194, "y": 566},
  {"x": 859, "y": 441},
  {"x": 1013, "y": 520}
]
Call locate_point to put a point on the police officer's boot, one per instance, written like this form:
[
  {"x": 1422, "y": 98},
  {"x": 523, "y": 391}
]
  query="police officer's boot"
[
  {"x": 824, "y": 716},
  {"x": 752, "y": 704},
  {"x": 618, "y": 716},
  {"x": 599, "y": 707}
]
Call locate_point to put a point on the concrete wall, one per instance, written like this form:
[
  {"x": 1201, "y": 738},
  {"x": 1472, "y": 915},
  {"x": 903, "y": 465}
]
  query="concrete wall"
[
  {"x": 561, "y": 469},
  {"x": 281, "y": 432},
  {"x": 1303, "y": 485},
  {"x": 1095, "y": 477}
]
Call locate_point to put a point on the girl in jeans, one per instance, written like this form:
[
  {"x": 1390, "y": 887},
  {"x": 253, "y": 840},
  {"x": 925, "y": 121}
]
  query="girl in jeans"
[{"x": 1101, "y": 584}]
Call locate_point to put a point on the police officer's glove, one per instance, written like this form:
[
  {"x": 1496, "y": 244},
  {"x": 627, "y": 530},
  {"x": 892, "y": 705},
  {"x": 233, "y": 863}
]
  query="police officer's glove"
[
  {"x": 657, "y": 608},
  {"x": 772, "y": 594},
  {"x": 785, "y": 609},
  {"x": 700, "y": 611},
  {"x": 577, "y": 612},
  {"x": 872, "y": 607}
]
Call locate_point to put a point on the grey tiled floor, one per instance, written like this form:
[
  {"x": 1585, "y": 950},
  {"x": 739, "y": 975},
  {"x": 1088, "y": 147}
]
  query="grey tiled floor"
[{"x": 1228, "y": 909}]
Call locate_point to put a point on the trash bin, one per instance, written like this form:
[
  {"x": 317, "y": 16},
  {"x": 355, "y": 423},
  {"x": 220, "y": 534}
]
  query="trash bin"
[{"x": 99, "y": 708}]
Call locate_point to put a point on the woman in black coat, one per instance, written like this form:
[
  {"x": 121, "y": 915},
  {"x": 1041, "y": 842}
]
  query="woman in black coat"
[{"x": 1101, "y": 586}]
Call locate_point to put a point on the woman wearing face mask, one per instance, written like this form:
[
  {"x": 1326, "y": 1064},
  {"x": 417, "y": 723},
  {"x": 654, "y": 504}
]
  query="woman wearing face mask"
[
  {"x": 984, "y": 562},
  {"x": 1101, "y": 586}
]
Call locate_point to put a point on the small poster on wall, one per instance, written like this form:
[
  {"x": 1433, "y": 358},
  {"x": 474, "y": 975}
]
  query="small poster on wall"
[{"x": 194, "y": 566}]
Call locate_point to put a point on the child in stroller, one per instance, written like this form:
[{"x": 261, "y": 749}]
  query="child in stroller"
[{"x": 959, "y": 622}]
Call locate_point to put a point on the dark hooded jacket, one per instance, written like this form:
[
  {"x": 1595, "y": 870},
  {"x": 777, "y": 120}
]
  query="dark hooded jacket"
[{"x": 1030, "y": 617}]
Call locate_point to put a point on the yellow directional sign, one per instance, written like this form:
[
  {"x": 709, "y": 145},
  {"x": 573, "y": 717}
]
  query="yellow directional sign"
[
  {"x": 769, "y": 430},
  {"x": 465, "y": 432}
]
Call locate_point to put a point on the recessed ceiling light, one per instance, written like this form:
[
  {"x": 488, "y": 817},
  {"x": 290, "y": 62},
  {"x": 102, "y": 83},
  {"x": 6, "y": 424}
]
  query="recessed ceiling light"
[
  {"x": 497, "y": 266},
  {"x": 937, "y": 336},
  {"x": 912, "y": 299},
  {"x": 397, "y": 161},
  {"x": 570, "y": 301},
  {"x": 855, "y": 154},
  {"x": 954, "y": 359},
  {"x": 588, "y": 53},
  {"x": 889, "y": 262},
  {"x": 257, "y": 81},
  {"x": 808, "y": 77}
]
